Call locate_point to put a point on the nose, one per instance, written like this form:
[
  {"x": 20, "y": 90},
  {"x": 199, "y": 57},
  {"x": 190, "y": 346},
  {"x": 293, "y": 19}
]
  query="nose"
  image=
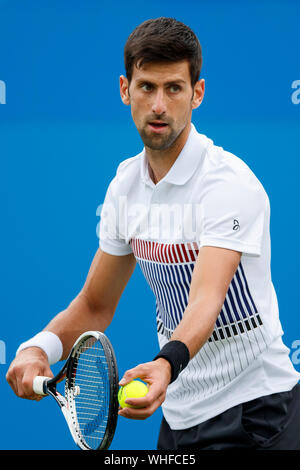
[{"x": 159, "y": 106}]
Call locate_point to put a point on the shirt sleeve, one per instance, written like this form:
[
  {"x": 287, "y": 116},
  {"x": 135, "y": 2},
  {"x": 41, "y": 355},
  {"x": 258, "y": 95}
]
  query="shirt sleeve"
[
  {"x": 233, "y": 216},
  {"x": 111, "y": 239}
]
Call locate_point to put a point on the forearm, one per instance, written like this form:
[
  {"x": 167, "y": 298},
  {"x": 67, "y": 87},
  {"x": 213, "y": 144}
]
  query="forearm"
[
  {"x": 79, "y": 316},
  {"x": 194, "y": 329},
  {"x": 197, "y": 323}
]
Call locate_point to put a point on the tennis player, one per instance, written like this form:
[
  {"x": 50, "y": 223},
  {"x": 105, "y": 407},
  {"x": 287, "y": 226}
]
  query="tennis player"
[{"x": 196, "y": 219}]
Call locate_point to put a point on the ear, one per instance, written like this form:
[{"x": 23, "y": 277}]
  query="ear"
[
  {"x": 198, "y": 96},
  {"x": 124, "y": 90}
]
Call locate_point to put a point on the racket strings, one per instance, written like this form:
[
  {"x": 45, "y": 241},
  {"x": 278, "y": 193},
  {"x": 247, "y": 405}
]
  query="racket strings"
[{"x": 90, "y": 381}]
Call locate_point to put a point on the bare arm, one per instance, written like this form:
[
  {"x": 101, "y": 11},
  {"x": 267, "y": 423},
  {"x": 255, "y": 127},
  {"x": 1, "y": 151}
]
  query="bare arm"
[
  {"x": 92, "y": 309},
  {"x": 213, "y": 272},
  {"x": 95, "y": 305}
]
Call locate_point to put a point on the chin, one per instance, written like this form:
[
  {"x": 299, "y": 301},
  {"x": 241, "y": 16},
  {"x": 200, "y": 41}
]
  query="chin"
[{"x": 158, "y": 142}]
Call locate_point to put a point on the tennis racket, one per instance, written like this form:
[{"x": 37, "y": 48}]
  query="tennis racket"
[{"x": 90, "y": 401}]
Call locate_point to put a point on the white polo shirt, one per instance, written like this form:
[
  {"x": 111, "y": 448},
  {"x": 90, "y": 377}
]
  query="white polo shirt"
[{"x": 209, "y": 197}]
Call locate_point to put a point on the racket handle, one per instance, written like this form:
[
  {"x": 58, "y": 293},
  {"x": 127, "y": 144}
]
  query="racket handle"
[{"x": 38, "y": 384}]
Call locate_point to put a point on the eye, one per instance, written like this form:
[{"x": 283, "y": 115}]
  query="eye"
[
  {"x": 146, "y": 87},
  {"x": 174, "y": 88}
]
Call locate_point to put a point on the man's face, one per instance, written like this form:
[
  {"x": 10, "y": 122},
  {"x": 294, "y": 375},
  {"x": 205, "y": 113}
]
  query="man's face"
[{"x": 161, "y": 98}]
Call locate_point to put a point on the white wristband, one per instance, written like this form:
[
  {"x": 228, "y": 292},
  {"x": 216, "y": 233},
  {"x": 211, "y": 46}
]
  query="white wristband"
[{"x": 48, "y": 342}]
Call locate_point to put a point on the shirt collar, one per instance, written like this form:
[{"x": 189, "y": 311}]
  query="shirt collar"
[{"x": 184, "y": 166}]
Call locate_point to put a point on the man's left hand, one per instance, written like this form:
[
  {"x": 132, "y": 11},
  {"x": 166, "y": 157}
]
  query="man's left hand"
[{"x": 157, "y": 374}]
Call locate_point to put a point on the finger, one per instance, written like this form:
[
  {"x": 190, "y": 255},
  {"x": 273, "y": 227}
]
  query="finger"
[
  {"x": 139, "y": 371},
  {"x": 28, "y": 378},
  {"x": 19, "y": 386},
  {"x": 14, "y": 383},
  {"x": 141, "y": 413},
  {"x": 149, "y": 405},
  {"x": 155, "y": 391},
  {"x": 46, "y": 372},
  {"x": 27, "y": 384},
  {"x": 10, "y": 377},
  {"x": 22, "y": 393}
]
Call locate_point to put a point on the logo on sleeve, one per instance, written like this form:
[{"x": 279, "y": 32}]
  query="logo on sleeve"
[{"x": 236, "y": 225}]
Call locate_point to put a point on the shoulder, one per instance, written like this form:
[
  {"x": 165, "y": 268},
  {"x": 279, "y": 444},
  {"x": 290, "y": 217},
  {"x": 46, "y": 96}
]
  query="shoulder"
[
  {"x": 222, "y": 170},
  {"x": 127, "y": 173},
  {"x": 129, "y": 165}
]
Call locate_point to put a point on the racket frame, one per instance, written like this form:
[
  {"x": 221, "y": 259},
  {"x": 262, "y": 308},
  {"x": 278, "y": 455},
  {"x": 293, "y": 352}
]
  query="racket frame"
[{"x": 67, "y": 402}]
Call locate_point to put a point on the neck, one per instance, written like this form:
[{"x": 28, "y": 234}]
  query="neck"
[{"x": 160, "y": 161}]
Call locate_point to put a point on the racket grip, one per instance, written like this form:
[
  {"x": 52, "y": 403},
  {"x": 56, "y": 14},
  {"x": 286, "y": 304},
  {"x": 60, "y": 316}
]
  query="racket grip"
[{"x": 38, "y": 384}]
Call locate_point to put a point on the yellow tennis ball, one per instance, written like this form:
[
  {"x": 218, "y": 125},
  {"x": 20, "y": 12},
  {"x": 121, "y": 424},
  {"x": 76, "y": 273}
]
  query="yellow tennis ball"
[{"x": 134, "y": 389}]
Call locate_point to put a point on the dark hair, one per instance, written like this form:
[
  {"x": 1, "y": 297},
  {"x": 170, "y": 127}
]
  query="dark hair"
[{"x": 163, "y": 40}]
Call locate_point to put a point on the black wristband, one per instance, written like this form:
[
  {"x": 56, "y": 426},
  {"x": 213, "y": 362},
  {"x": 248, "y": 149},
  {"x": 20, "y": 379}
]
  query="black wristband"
[{"x": 178, "y": 356}]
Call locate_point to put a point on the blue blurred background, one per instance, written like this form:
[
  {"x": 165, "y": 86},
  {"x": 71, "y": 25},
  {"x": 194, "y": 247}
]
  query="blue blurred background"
[{"x": 63, "y": 132}]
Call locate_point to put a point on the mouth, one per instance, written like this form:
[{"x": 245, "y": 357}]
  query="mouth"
[{"x": 158, "y": 126}]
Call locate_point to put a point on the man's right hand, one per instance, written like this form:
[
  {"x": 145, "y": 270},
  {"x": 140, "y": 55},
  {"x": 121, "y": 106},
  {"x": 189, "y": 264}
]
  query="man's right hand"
[
  {"x": 24, "y": 368},
  {"x": 98, "y": 299}
]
